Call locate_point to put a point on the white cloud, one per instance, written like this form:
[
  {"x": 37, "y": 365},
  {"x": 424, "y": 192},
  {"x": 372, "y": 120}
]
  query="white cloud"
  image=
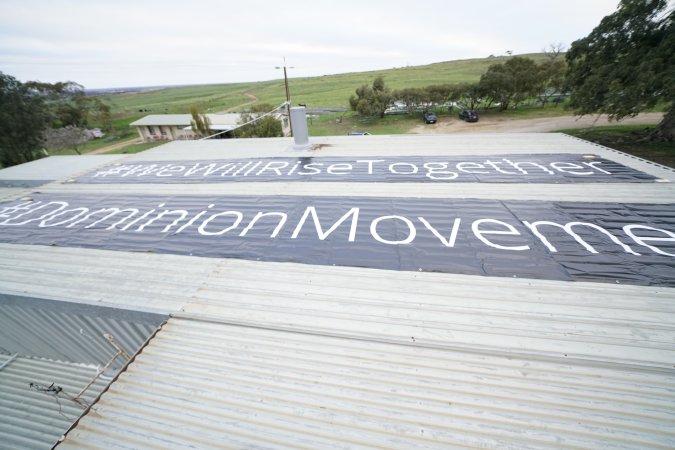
[{"x": 100, "y": 43}]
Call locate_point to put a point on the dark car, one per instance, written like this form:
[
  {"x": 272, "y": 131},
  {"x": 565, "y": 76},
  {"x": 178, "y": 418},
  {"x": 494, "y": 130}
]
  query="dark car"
[
  {"x": 469, "y": 115},
  {"x": 429, "y": 117}
]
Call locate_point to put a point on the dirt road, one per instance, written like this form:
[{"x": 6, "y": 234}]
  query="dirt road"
[
  {"x": 238, "y": 107},
  {"x": 109, "y": 148},
  {"x": 540, "y": 125}
]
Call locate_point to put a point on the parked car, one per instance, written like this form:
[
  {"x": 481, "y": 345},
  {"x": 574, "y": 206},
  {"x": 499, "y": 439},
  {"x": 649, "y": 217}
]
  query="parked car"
[
  {"x": 358, "y": 133},
  {"x": 469, "y": 115},
  {"x": 429, "y": 117}
]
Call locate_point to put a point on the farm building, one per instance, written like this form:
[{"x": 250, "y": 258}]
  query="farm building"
[
  {"x": 512, "y": 290},
  {"x": 169, "y": 127}
]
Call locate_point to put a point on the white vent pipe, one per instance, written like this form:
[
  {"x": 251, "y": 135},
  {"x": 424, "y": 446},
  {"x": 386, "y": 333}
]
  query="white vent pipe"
[{"x": 299, "y": 128}]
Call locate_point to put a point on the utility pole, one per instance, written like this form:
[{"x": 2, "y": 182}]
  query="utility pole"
[{"x": 288, "y": 95}]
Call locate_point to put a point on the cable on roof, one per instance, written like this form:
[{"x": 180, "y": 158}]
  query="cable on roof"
[
  {"x": 249, "y": 122},
  {"x": 54, "y": 390}
]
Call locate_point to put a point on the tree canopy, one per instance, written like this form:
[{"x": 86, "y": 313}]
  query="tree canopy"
[
  {"x": 200, "y": 123},
  {"x": 69, "y": 136},
  {"x": 23, "y": 117},
  {"x": 263, "y": 127},
  {"x": 627, "y": 64},
  {"x": 33, "y": 114},
  {"x": 511, "y": 82},
  {"x": 506, "y": 84},
  {"x": 371, "y": 100}
]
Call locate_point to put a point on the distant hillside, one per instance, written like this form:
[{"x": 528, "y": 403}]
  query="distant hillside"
[{"x": 323, "y": 91}]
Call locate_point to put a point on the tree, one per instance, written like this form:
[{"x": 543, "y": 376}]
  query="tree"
[
  {"x": 552, "y": 74},
  {"x": 22, "y": 119},
  {"x": 511, "y": 82},
  {"x": 469, "y": 95},
  {"x": 200, "y": 123},
  {"x": 371, "y": 100},
  {"x": 413, "y": 98},
  {"x": 65, "y": 102},
  {"x": 57, "y": 90},
  {"x": 69, "y": 114},
  {"x": 439, "y": 93},
  {"x": 626, "y": 64},
  {"x": 66, "y": 137},
  {"x": 554, "y": 51},
  {"x": 102, "y": 115},
  {"x": 261, "y": 127},
  {"x": 28, "y": 109}
]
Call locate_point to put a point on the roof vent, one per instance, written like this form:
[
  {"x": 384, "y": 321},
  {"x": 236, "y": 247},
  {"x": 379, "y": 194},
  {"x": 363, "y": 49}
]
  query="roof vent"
[{"x": 299, "y": 128}]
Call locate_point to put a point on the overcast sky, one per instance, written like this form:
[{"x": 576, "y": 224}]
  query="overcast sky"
[{"x": 120, "y": 43}]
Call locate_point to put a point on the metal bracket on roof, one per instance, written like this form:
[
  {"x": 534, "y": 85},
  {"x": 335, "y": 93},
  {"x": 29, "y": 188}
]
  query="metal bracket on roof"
[{"x": 120, "y": 352}]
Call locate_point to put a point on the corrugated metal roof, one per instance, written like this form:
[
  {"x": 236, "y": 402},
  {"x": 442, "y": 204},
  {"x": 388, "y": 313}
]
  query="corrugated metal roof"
[
  {"x": 135, "y": 281},
  {"x": 442, "y": 145},
  {"x": 184, "y": 119},
  {"x": 36, "y": 420},
  {"x": 41, "y": 171},
  {"x": 71, "y": 332},
  {"x": 212, "y": 385},
  {"x": 290, "y": 355},
  {"x": 599, "y": 322},
  {"x": 56, "y": 345},
  {"x": 11, "y": 193},
  {"x": 397, "y": 145}
]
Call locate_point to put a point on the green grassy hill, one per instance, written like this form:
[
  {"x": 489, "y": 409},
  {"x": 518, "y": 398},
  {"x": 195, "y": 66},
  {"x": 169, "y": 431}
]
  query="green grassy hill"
[
  {"x": 333, "y": 91},
  {"x": 323, "y": 91}
]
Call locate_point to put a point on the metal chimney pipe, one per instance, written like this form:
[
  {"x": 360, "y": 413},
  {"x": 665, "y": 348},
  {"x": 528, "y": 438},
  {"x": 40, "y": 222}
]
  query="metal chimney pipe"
[{"x": 299, "y": 128}]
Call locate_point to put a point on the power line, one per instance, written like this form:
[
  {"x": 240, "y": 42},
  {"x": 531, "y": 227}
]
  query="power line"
[{"x": 247, "y": 123}]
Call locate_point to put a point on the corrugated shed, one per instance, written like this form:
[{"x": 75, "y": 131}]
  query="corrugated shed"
[
  {"x": 71, "y": 333},
  {"x": 213, "y": 385},
  {"x": 282, "y": 355},
  {"x": 36, "y": 420}
]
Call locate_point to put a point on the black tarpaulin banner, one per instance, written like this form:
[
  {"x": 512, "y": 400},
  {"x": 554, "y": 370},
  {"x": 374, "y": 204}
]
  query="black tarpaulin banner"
[
  {"x": 605, "y": 242},
  {"x": 543, "y": 168}
]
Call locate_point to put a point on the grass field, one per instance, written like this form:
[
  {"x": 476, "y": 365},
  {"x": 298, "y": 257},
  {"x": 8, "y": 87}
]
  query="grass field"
[
  {"x": 316, "y": 92},
  {"x": 629, "y": 139},
  {"x": 323, "y": 91},
  {"x": 136, "y": 148},
  {"x": 336, "y": 124},
  {"x": 94, "y": 144},
  {"x": 334, "y": 91}
]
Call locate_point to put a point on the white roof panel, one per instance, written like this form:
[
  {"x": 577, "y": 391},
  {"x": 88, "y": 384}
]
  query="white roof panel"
[
  {"x": 52, "y": 168},
  {"x": 214, "y": 385},
  {"x": 184, "y": 119}
]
